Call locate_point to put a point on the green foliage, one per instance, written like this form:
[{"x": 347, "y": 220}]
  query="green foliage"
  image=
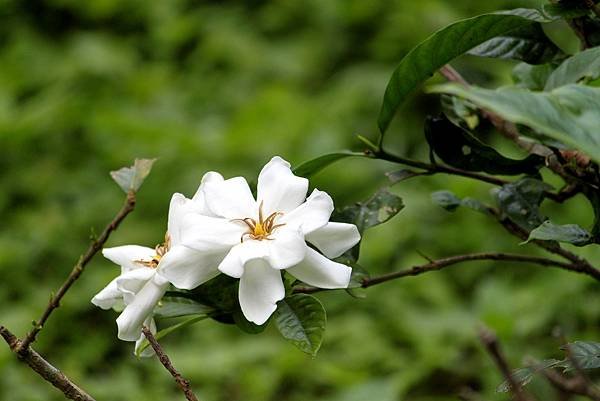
[
  {"x": 583, "y": 65},
  {"x": 571, "y": 233},
  {"x": 378, "y": 209},
  {"x": 442, "y": 47},
  {"x": 460, "y": 149},
  {"x": 521, "y": 200},
  {"x": 165, "y": 332},
  {"x": 532, "y": 77},
  {"x": 451, "y": 202},
  {"x": 585, "y": 354},
  {"x": 567, "y": 114},
  {"x": 523, "y": 376},
  {"x": 173, "y": 306},
  {"x": 301, "y": 320},
  {"x": 311, "y": 167}
]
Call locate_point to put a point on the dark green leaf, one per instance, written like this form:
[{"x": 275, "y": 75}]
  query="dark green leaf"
[
  {"x": 172, "y": 306},
  {"x": 246, "y": 326},
  {"x": 523, "y": 376},
  {"x": 442, "y": 47},
  {"x": 571, "y": 233},
  {"x": 313, "y": 166},
  {"x": 521, "y": 200},
  {"x": 131, "y": 178},
  {"x": 566, "y": 10},
  {"x": 532, "y": 77},
  {"x": 446, "y": 199},
  {"x": 461, "y": 112},
  {"x": 378, "y": 209},
  {"x": 568, "y": 114},
  {"x": 220, "y": 293},
  {"x": 583, "y": 65},
  {"x": 528, "y": 43},
  {"x": 301, "y": 320},
  {"x": 460, "y": 149},
  {"x": 586, "y": 354},
  {"x": 169, "y": 330}
]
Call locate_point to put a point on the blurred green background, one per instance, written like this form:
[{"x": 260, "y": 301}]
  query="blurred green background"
[{"x": 87, "y": 86}]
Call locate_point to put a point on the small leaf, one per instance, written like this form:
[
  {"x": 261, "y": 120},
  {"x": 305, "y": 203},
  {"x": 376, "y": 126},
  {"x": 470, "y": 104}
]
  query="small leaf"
[
  {"x": 460, "y": 149},
  {"x": 174, "y": 306},
  {"x": 446, "y": 199},
  {"x": 521, "y": 200},
  {"x": 571, "y": 233},
  {"x": 169, "y": 330},
  {"x": 378, "y": 209},
  {"x": 461, "y": 112},
  {"x": 301, "y": 320},
  {"x": 528, "y": 43},
  {"x": 523, "y": 376},
  {"x": 131, "y": 178},
  {"x": 568, "y": 114},
  {"x": 441, "y": 48},
  {"x": 403, "y": 174},
  {"x": 532, "y": 77},
  {"x": 311, "y": 167},
  {"x": 585, "y": 353},
  {"x": 583, "y": 65}
]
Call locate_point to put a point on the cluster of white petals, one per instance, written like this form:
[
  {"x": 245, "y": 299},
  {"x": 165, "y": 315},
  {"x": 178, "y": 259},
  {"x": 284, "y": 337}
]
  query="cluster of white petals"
[{"x": 224, "y": 229}]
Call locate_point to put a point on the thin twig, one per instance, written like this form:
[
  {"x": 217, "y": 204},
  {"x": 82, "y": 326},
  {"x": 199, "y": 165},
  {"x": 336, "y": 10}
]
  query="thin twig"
[
  {"x": 164, "y": 359},
  {"x": 94, "y": 247},
  {"x": 574, "y": 385},
  {"x": 490, "y": 341},
  {"x": 44, "y": 368},
  {"x": 439, "y": 264}
]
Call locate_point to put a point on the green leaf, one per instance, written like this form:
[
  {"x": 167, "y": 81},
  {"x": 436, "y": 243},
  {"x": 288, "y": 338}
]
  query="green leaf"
[
  {"x": 248, "y": 327},
  {"x": 451, "y": 202},
  {"x": 568, "y": 114},
  {"x": 378, "y": 209},
  {"x": 442, "y": 47},
  {"x": 523, "y": 376},
  {"x": 301, "y": 320},
  {"x": 583, "y": 65},
  {"x": 460, "y": 149},
  {"x": 528, "y": 43},
  {"x": 566, "y": 10},
  {"x": 164, "y": 332},
  {"x": 585, "y": 353},
  {"x": 521, "y": 200},
  {"x": 571, "y": 233},
  {"x": 131, "y": 178},
  {"x": 532, "y": 77},
  {"x": 173, "y": 306},
  {"x": 461, "y": 112},
  {"x": 311, "y": 167}
]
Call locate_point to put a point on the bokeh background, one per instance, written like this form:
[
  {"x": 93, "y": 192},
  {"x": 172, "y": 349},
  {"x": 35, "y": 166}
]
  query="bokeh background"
[{"x": 87, "y": 86}]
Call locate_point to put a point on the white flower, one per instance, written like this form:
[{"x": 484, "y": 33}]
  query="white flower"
[
  {"x": 141, "y": 283},
  {"x": 254, "y": 239}
]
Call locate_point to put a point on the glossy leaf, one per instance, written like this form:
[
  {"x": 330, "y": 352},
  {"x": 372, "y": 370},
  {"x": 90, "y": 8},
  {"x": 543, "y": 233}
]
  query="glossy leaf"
[
  {"x": 173, "y": 306},
  {"x": 572, "y": 9},
  {"x": 571, "y": 233},
  {"x": 583, "y": 65},
  {"x": 568, "y": 114},
  {"x": 301, "y": 320},
  {"x": 586, "y": 354},
  {"x": 528, "y": 43},
  {"x": 378, "y": 209},
  {"x": 441, "y": 48},
  {"x": 164, "y": 332},
  {"x": 311, "y": 167},
  {"x": 131, "y": 178},
  {"x": 521, "y": 200},
  {"x": 460, "y": 149}
]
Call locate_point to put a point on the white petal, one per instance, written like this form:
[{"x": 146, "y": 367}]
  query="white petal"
[
  {"x": 286, "y": 249},
  {"x": 187, "y": 268},
  {"x": 231, "y": 198},
  {"x": 321, "y": 272},
  {"x": 109, "y": 296},
  {"x": 133, "y": 281},
  {"x": 211, "y": 234},
  {"x": 260, "y": 289},
  {"x": 235, "y": 261},
  {"x": 178, "y": 207},
  {"x": 199, "y": 198},
  {"x": 279, "y": 188},
  {"x": 125, "y": 256},
  {"x": 148, "y": 351},
  {"x": 334, "y": 239},
  {"x": 312, "y": 214},
  {"x": 131, "y": 319}
]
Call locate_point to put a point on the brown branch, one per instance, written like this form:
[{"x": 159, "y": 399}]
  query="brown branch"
[
  {"x": 164, "y": 359},
  {"x": 439, "y": 264},
  {"x": 490, "y": 341},
  {"x": 44, "y": 368},
  {"x": 94, "y": 247},
  {"x": 574, "y": 385}
]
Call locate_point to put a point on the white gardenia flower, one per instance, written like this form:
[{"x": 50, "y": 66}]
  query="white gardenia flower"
[
  {"x": 141, "y": 283},
  {"x": 254, "y": 240}
]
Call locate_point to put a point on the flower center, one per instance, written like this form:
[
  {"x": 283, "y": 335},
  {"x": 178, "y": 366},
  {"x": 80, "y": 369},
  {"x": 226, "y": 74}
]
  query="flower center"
[
  {"x": 160, "y": 251},
  {"x": 261, "y": 229}
]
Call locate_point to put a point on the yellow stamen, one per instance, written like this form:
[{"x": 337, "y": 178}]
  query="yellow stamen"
[{"x": 261, "y": 229}]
